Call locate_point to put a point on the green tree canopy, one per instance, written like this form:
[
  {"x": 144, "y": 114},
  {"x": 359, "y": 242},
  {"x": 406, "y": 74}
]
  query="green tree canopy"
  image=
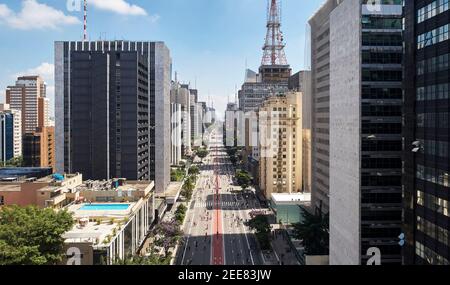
[
  {"x": 243, "y": 179},
  {"x": 262, "y": 227},
  {"x": 314, "y": 232},
  {"x": 194, "y": 170},
  {"x": 15, "y": 162},
  {"x": 260, "y": 224},
  {"x": 177, "y": 175},
  {"x": 188, "y": 188},
  {"x": 202, "y": 153},
  {"x": 32, "y": 236}
]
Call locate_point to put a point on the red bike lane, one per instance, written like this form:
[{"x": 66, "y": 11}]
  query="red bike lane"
[{"x": 217, "y": 243}]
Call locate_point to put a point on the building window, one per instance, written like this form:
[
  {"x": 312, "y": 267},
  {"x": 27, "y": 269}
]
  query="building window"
[
  {"x": 433, "y": 37},
  {"x": 431, "y": 10}
]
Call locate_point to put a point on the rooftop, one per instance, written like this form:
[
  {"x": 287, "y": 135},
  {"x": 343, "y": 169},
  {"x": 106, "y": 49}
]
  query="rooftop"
[
  {"x": 96, "y": 227},
  {"x": 291, "y": 198}
]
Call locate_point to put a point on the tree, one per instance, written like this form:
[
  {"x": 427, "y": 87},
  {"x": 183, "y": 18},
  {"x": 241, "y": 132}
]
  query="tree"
[
  {"x": 167, "y": 235},
  {"x": 15, "y": 162},
  {"x": 194, "y": 170},
  {"x": 243, "y": 179},
  {"x": 177, "y": 175},
  {"x": 32, "y": 236},
  {"x": 262, "y": 227},
  {"x": 202, "y": 153},
  {"x": 180, "y": 213},
  {"x": 314, "y": 232},
  {"x": 188, "y": 188}
]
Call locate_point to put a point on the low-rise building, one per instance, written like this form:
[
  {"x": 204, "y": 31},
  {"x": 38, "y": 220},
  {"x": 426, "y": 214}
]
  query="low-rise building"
[
  {"x": 113, "y": 218},
  {"x": 54, "y": 191},
  {"x": 287, "y": 207}
]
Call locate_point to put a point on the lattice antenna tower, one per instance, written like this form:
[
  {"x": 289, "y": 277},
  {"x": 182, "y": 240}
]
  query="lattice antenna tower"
[{"x": 274, "y": 46}]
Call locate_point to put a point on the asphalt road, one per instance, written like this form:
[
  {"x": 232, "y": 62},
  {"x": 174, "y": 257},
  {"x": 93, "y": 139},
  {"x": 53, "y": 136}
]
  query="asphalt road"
[{"x": 215, "y": 223}]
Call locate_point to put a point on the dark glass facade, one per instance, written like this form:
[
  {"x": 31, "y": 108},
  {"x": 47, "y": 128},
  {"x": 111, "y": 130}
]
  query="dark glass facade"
[
  {"x": 426, "y": 132},
  {"x": 7, "y": 137},
  {"x": 381, "y": 127},
  {"x": 109, "y": 114},
  {"x": 109, "y": 109}
]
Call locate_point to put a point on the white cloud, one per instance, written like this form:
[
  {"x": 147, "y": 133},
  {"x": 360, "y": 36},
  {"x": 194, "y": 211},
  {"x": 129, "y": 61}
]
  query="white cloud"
[
  {"x": 35, "y": 15},
  {"x": 119, "y": 6},
  {"x": 45, "y": 70},
  {"x": 4, "y": 11}
]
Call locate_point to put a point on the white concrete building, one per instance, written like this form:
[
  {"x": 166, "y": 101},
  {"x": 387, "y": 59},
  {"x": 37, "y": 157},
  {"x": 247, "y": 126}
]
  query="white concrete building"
[
  {"x": 175, "y": 133},
  {"x": 365, "y": 132}
]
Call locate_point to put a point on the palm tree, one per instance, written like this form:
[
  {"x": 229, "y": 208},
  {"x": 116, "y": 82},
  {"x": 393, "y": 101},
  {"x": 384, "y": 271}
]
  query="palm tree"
[{"x": 314, "y": 232}]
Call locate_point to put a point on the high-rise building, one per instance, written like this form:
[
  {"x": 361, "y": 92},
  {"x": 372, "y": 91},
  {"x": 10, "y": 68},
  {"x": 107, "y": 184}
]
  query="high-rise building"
[
  {"x": 39, "y": 148},
  {"x": 274, "y": 72},
  {"x": 426, "y": 132},
  {"x": 365, "y": 131},
  {"x": 113, "y": 110},
  {"x": 10, "y": 133},
  {"x": 43, "y": 112},
  {"x": 183, "y": 97},
  {"x": 254, "y": 91},
  {"x": 176, "y": 127},
  {"x": 196, "y": 110},
  {"x": 320, "y": 105},
  {"x": 280, "y": 144},
  {"x": 301, "y": 82},
  {"x": 28, "y": 95}
]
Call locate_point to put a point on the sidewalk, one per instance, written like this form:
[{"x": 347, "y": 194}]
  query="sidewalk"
[{"x": 281, "y": 247}]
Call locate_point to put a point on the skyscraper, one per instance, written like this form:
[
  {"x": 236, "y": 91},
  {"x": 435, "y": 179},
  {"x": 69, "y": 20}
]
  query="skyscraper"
[
  {"x": 320, "y": 105},
  {"x": 113, "y": 110},
  {"x": 10, "y": 133},
  {"x": 28, "y": 95},
  {"x": 176, "y": 127},
  {"x": 365, "y": 131},
  {"x": 426, "y": 133}
]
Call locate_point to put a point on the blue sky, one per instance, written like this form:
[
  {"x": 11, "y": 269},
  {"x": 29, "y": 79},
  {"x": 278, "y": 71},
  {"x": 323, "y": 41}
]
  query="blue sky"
[{"x": 210, "y": 40}]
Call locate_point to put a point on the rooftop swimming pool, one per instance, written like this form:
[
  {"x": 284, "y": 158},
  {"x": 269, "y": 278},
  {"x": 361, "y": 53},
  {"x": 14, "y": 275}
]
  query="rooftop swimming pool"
[{"x": 104, "y": 207}]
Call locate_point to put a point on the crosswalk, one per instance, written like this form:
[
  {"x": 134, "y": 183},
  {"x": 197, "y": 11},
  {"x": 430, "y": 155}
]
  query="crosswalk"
[{"x": 222, "y": 204}]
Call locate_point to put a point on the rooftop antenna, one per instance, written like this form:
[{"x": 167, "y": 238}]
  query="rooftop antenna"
[
  {"x": 274, "y": 45},
  {"x": 85, "y": 21}
]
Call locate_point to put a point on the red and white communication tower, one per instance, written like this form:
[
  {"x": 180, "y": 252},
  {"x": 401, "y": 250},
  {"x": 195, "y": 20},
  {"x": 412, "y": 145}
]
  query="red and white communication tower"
[
  {"x": 274, "y": 46},
  {"x": 85, "y": 21}
]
